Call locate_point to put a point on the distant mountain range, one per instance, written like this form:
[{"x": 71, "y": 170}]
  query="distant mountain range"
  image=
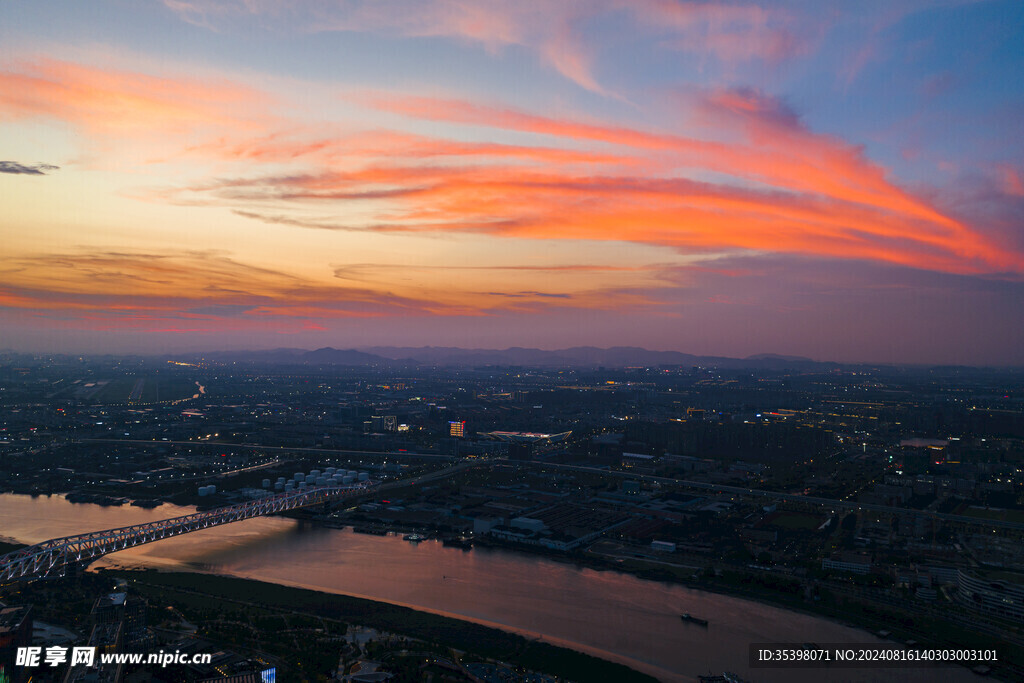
[{"x": 577, "y": 356}]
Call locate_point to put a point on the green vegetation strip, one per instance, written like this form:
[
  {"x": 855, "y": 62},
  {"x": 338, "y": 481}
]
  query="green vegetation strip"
[{"x": 463, "y": 635}]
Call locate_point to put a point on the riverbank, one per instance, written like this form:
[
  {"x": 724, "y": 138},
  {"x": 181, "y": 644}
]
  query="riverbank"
[
  {"x": 601, "y": 610},
  {"x": 901, "y": 620},
  {"x": 461, "y": 635},
  {"x": 903, "y": 623}
]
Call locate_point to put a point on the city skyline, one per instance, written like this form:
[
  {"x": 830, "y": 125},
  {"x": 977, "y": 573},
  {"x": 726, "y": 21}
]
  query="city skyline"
[{"x": 717, "y": 179}]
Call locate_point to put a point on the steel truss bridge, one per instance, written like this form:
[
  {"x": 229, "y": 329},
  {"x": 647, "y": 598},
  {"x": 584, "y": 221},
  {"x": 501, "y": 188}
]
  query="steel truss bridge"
[{"x": 51, "y": 558}]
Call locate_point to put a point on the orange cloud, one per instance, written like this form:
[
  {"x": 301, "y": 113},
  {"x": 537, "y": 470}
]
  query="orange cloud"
[
  {"x": 848, "y": 202},
  {"x": 543, "y": 204},
  {"x": 779, "y": 187},
  {"x": 518, "y": 202},
  {"x": 777, "y": 152},
  {"x": 110, "y": 101},
  {"x": 363, "y": 146},
  {"x": 107, "y": 290}
]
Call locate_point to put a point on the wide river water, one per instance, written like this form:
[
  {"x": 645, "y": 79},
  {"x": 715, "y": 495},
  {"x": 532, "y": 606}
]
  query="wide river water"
[{"x": 608, "y": 614}]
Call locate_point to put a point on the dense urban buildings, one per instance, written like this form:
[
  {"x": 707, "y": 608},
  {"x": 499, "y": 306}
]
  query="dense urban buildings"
[{"x": 891, "y": 495}]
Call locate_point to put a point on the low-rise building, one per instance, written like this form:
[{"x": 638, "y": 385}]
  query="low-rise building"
[
  {"x": 847, "y": 562},
  {"x": 1000, "y": 594}
]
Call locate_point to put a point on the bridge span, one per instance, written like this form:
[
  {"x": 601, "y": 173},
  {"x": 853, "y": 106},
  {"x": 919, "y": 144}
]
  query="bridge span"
[{"x": 51, "y": 558}]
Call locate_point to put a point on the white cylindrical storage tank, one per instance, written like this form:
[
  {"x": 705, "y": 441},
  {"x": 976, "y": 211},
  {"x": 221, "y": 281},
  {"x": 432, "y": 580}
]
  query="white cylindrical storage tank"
[
  {"x": 321, "y": 481},
  {"x": 303, "y": 485},
  {"x": 266, "y": 483},
  {"x": 280, "y": 479},
  {"x": 203, "y": 491},
  {"x": 299, "y": 476},
  {"x": 290, "y": 486},
  {"x": 363, "y": 476},
  {"x": 315, "y": 473},
  {"x": 347, "y": 479},
  {"x": 351, "y": 473},
  {"x": 278, "y": 485},
  {"x": 332, "y": 470},
  {"x": 212, "y": 488}
]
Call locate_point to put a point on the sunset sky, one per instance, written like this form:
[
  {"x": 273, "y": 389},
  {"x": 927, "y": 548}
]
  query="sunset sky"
[{"x": 839, "y": 180}]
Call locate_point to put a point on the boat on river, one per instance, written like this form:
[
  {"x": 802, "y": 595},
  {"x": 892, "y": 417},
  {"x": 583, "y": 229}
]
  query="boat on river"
[
  {"x": 686, "y": 616},
  {"x": 457, "y": 542}
]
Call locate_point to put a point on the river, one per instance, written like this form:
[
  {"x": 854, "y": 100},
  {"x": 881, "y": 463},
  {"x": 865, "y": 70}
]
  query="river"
[{"x": 608, "y": 614}]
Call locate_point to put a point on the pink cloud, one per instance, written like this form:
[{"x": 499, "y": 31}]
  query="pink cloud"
[
  {"x": 1011, "y": 179},
  {"x": 731, "y": 33},
  {"x": 857, "y": 210},
  {"x": 110, "y": 101},
  {"x": 554, "y": 31}
]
